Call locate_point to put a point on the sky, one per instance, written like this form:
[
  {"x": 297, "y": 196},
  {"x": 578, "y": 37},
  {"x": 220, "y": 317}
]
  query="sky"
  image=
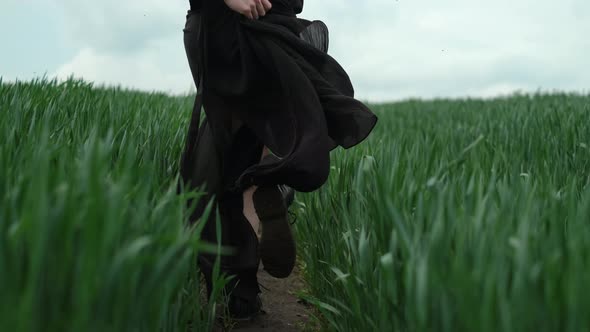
[{"x": 392, "y": 49}]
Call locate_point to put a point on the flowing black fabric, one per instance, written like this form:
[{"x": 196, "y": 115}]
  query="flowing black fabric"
[
  {"x": 268, "y": 82},
  {"x": 272, "y": 81}
]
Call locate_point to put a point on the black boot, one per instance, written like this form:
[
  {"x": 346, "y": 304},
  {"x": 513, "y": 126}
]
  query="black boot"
[{"x": 277, "y": 246}]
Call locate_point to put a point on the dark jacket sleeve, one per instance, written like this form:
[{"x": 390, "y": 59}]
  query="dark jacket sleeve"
[
  {"x": 298, "y": 6},
  {"x": 196, "y": 5}
]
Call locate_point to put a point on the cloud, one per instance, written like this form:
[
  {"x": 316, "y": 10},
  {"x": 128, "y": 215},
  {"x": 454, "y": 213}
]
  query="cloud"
[
  {"x": 135, "y": 43},
  {"x": 392, "y": 49},
  {"x": 121, "y": 26},
  {"x": 398, "y": 49},
  {"x": 160, "y": 66}
]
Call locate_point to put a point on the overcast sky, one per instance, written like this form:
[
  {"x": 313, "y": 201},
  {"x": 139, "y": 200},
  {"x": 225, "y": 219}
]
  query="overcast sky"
[{"x": 392, "y": 49}]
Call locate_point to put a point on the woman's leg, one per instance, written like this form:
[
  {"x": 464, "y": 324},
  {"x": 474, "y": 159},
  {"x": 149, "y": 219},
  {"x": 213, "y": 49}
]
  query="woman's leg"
[
  {"x": 206, "y": 171},
  {"x": 249, "y": 211},
  {"x": 265, "y": 208}
]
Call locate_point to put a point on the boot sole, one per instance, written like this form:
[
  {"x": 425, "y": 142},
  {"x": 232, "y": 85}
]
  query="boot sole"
[{"x": 277, "y": 246}]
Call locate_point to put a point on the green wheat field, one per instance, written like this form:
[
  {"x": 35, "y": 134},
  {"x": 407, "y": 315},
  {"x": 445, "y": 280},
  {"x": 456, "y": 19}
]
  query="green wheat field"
[{"x": 455, "y": 215}]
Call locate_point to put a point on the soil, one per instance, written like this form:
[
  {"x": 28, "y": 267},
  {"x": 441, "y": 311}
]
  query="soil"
[{"x": 282, "y": 309}]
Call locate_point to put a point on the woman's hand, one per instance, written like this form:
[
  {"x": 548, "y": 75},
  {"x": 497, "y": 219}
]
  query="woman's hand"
[{"x": 252, "y": 9}]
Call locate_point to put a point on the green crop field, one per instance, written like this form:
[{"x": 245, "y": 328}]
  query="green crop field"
[{"x": 455, "y": 215}]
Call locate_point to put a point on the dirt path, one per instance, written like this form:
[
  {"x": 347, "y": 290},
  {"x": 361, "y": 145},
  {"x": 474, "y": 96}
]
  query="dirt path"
[{"x": 283, "y": 309}]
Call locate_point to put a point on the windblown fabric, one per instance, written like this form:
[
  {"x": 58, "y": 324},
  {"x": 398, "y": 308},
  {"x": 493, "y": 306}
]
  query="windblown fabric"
[{"x": 267, "y": 82}]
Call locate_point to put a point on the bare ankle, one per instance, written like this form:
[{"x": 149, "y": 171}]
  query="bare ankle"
[{"x": 249, "y": 211}]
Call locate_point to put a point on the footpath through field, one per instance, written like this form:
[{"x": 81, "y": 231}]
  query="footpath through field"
[{"x": 283, "y": 310}]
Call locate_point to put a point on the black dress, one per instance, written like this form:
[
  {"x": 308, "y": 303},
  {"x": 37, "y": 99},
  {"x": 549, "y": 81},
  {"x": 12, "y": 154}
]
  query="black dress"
[{"x": 266, "y": 82}]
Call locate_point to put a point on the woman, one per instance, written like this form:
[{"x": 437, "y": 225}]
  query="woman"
[{"x": 276, "y": 105}]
